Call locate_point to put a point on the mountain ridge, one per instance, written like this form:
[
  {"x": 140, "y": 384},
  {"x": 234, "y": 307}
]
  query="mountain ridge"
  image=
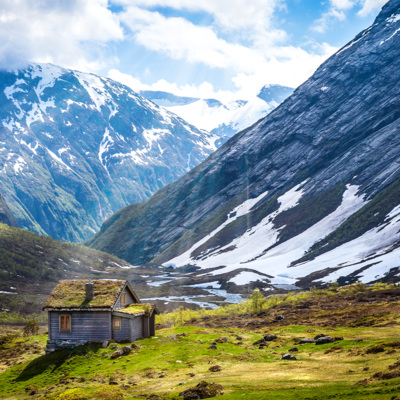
[
  {"x": 338, "y": 129},
  {"x": 76, "y": 147}
]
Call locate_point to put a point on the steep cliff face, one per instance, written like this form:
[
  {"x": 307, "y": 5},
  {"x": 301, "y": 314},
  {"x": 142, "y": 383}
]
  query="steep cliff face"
[
  {"x": 75, "y": 147},
  {"x": 6, "y": 216},
  {"x": 310, "y": 193}
]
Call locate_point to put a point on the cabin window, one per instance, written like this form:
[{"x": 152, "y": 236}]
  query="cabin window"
[
  {"x": 117, "y": 323},
  {"x": 65, "y": 323},
  {"x": 123, "y": 299}
]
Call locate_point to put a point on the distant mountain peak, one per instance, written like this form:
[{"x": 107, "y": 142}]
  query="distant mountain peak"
[
  {"x": 222, "y": 118},
  {"x": 76, "y": 147}
]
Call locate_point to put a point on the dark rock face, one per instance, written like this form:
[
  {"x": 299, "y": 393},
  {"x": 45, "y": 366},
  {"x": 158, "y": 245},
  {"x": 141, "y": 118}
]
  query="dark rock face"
[
  {"x": 339, "y": 130},
  {"x": 6, "y": 216},
  {"x": 75, "y": 148}
]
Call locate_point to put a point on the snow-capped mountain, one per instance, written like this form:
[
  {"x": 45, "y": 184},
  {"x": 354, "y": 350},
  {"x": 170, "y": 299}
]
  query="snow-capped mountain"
[
  {"x": 76, "y": 147},
  {"x": 309, "y": 194},
  {"x": 223, "y": 119}
]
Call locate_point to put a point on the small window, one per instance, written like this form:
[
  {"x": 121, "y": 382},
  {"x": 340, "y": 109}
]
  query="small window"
[
  {"x": 117, "y": 324},
  {"x": 65, "y": 323},
  {"x": 123, "y": 299}
]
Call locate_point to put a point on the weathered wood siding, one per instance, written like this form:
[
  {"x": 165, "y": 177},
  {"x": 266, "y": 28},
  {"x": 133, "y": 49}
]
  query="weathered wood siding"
[
  {"x": 125, "y": 332},
  {"x": 136, "y": 328},
  {"x": 129, "y": 299},
  {"x": 131, "y": 329},
  {"x": 85, "y": 326}
]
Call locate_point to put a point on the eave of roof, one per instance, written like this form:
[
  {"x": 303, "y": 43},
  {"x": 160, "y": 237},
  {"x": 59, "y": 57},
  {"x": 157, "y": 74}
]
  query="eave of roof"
[{"x": 137, "y": 308}]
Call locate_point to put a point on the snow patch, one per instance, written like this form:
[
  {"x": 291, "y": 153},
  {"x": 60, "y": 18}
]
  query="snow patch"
[
  {"x": 390, "y": 37},
  {"x": 58, "y": 159},
  {"x": 19, "y": 165},
  {"x": 251, "y": 249},
  {"x": 153, "y": 135},
  {"x": 105, "y": 145},
  {"x": 245, "y": 277}
]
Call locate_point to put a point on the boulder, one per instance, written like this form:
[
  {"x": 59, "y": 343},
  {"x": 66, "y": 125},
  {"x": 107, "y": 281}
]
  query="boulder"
[
  {"x": 306, "y": 341},
  {"x": 294, "y": 349},
  {"x": 288, "y": 356},
  {"x": 117, "y": 354},
  {"x": 126, "y": 350},
  {"x": 212, "y": 346},
  {"x": 320, "y": 335},
  {"x": 269, "y": 338},
  {"x": 203, "y": 390},
  {"x": 222, "y": 339},
  {"x": 324, "y": 340},
  {"x": 215, "y": 368}
]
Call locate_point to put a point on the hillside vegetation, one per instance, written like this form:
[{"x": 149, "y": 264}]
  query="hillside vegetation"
[
  {"x": 361, "y": 362},
  {"x": 31, "y": 265}
]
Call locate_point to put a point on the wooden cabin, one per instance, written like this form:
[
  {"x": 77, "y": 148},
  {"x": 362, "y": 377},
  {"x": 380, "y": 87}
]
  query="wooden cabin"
[{"x": 82, "y": 311}]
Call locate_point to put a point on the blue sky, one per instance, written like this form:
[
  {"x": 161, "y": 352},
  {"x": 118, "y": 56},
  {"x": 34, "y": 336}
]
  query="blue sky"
[{"x": 210, "y": 48}]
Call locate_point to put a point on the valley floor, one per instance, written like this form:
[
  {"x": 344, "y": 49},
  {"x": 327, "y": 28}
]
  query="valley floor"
[{"x": 362, "y": 363}]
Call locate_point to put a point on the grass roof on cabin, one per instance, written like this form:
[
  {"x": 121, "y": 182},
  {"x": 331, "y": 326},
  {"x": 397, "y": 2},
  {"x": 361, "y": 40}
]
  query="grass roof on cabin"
[
  {"x": 72, "y": 294},
  {"x": 136, "y": 308}
]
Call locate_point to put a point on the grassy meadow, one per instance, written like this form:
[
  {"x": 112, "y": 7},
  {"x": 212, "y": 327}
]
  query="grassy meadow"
[{"x": 364, "y": 363}]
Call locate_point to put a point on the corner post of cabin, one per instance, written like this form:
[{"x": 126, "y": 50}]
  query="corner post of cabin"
[
  {"x": 49, "y": 325},
  {"x": 146, "y": 326}
]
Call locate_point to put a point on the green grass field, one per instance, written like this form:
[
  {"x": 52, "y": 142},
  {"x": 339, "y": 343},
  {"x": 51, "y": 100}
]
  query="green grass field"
[{"x": 166, "y": 365}]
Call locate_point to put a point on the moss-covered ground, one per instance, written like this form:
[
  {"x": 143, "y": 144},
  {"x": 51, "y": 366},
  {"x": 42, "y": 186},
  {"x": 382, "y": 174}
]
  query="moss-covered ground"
[{"x": 169, "y": 363}]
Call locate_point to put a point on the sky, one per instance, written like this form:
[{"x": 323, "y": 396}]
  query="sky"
[{"x": 224, "y": 49}]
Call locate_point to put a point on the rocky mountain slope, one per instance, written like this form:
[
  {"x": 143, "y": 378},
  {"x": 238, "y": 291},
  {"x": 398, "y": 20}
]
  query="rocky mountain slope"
[
  {"x": 309, "y": 194},
  {"x": 6, "y": 216},
  {"x": 223, "y": 119},
  {"x": 75, "y": 147}
]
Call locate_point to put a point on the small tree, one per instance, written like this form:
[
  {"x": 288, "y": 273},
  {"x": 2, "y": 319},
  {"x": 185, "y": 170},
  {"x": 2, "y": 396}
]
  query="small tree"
[
  {"x": 31, "y": 328},
  {"x": 257, "y": 301}
]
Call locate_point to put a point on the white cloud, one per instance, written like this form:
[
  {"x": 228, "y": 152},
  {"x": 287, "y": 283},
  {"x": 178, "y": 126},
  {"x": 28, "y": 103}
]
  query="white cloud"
[
  {"x": 327, "y": 19},
  {"x": 338, "y": 8},
  {"x": 342, "y": 4},
  {"x": 70, "y": 33},
  {"x": 230, "y": 14},
  {"x": 369, "y": 6},
  {"x": 204, "y": 90},
  {"x": 288, "y": 66},
  {"x": 263, "y": 60}
]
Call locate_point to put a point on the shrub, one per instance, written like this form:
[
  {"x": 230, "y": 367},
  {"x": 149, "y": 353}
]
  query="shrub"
[
  {"x": 31, "y": 328},
  {"x": 257, "y": 301},
  {"x": 108, "y": 393},
  {"x": 72, "y": 394}
]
